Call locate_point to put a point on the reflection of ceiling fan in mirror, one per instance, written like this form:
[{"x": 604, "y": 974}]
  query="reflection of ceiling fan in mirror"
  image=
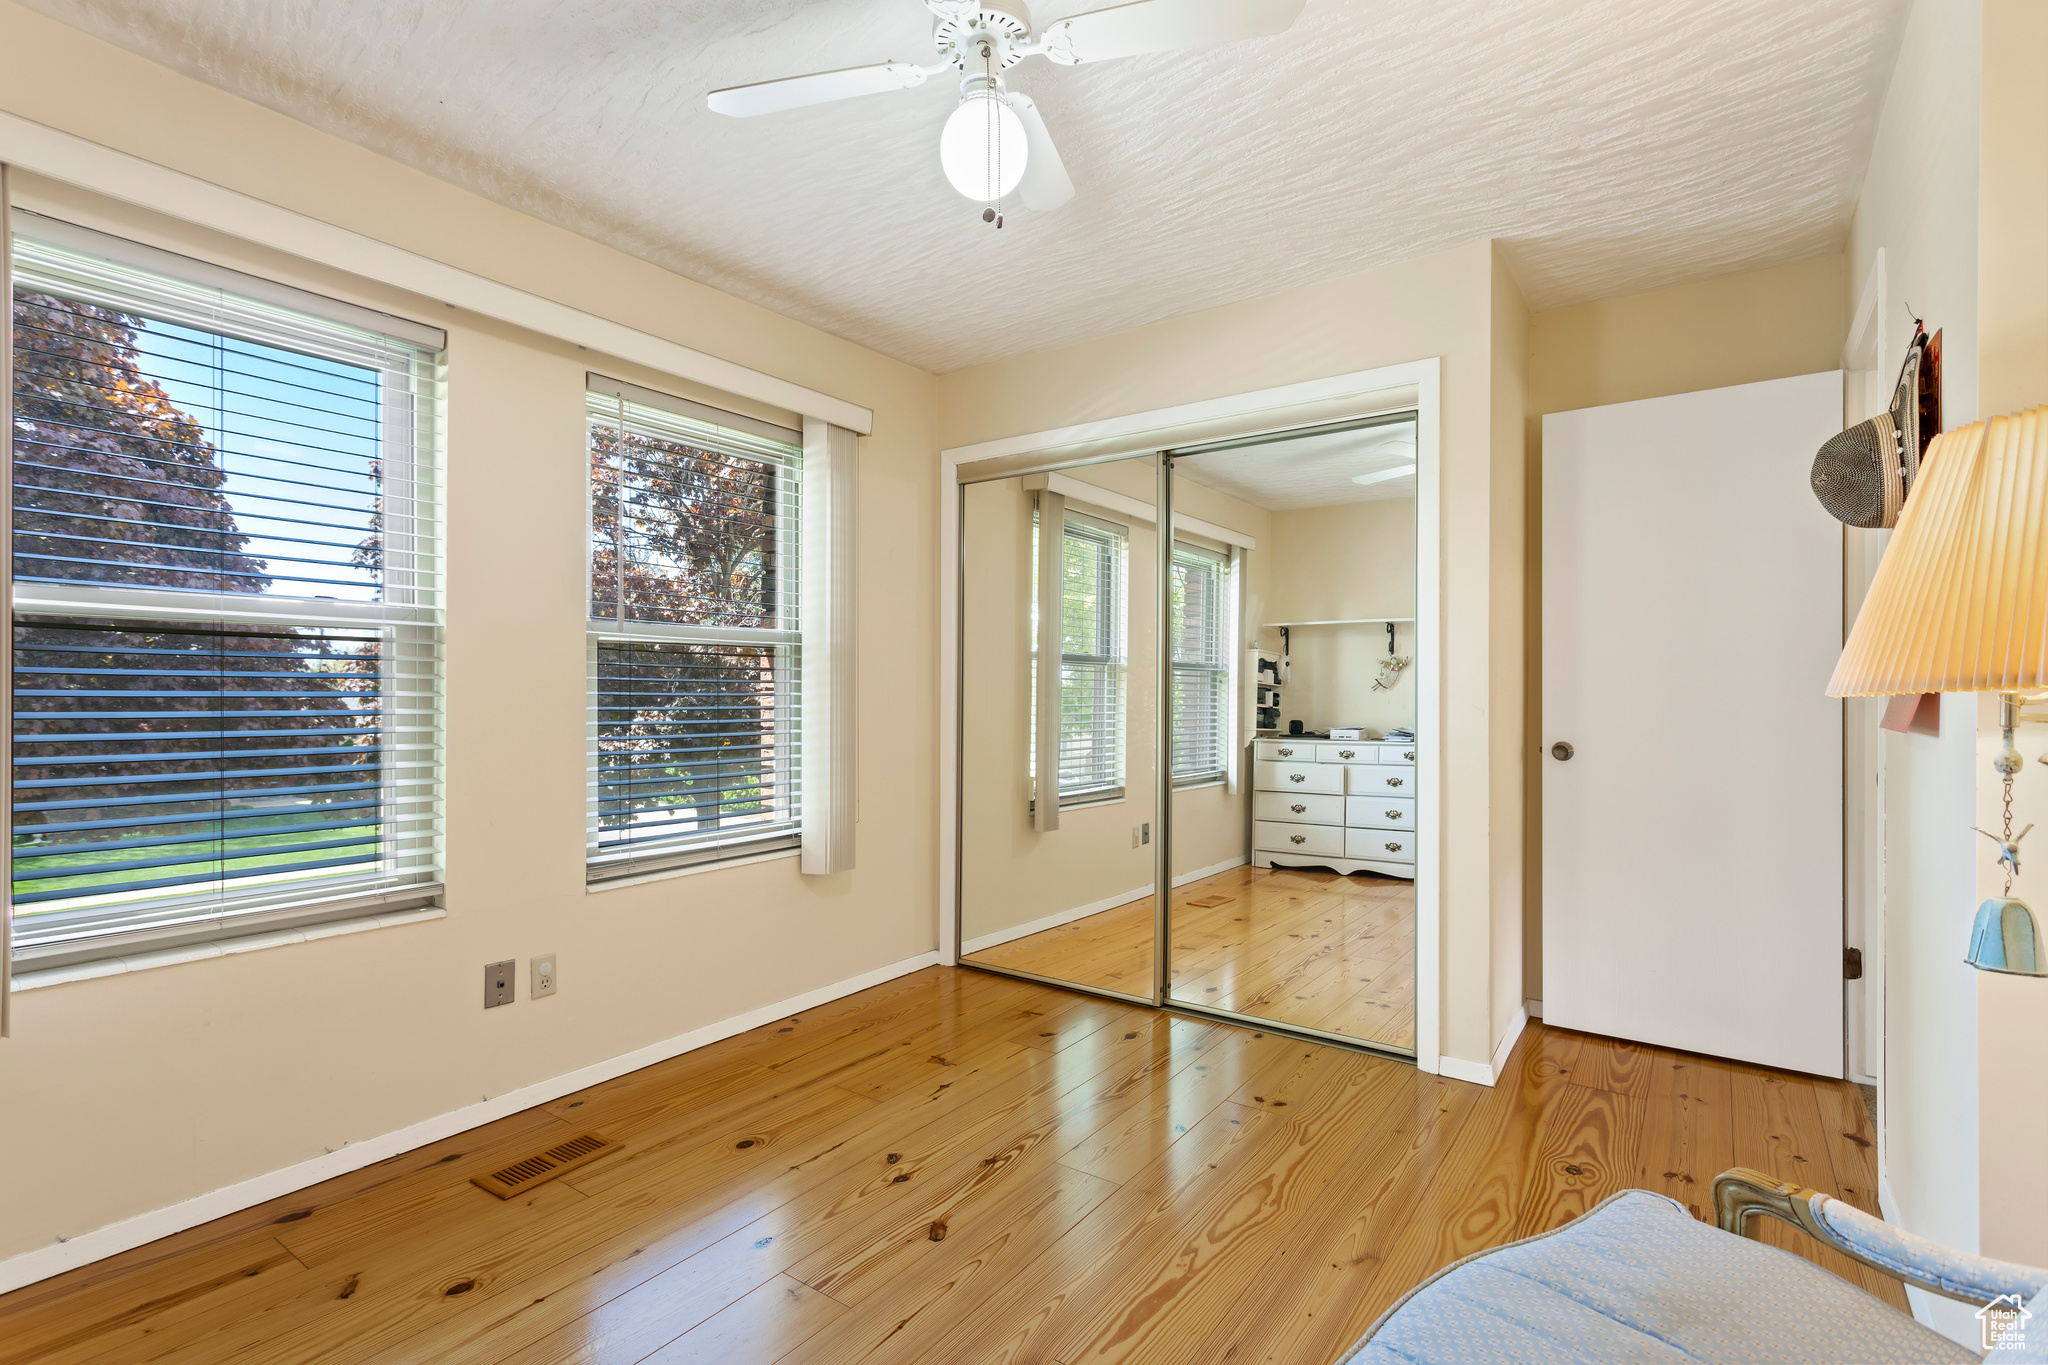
[{"x": 994, "y": 143}]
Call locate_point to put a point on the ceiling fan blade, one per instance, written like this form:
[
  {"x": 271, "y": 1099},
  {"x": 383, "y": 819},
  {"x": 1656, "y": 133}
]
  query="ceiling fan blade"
[
  {"x": 794, "y": 92},
  {"x": 1163, "y": 25},
  {"x": 1045, "y": 184}
]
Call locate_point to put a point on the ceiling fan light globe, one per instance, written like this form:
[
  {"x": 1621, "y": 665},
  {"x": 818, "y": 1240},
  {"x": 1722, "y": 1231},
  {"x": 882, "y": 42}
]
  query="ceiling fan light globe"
[{"x": 983, "y": 149}]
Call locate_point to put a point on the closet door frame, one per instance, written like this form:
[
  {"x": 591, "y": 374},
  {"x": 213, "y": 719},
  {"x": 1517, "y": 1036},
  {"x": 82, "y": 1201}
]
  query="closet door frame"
[{"x": 1413, "y": 385}]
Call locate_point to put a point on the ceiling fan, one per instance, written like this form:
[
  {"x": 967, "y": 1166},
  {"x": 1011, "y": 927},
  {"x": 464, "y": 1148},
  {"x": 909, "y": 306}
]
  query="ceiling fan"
[{"x": 994, "y": 143}]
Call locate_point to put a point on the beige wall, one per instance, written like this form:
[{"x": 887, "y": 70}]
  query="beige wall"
[
  {"x": 1344, "y": 563},
  {"x": 2012, "y": 374},
  {"x": 1438, "y": 305},
  {"x": 140, "y": 1090},
  {"x": 1738, "y": 329},
  {"x": 1506, "y": 650}
]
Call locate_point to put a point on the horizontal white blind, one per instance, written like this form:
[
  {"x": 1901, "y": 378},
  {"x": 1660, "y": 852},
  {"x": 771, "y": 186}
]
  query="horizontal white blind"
[
  {"x": 1091, "y": 662},
  {"x": 696, "y": 660},
  {"x": 1201, "y": 668},
  {"x": 226, "y": 618}
]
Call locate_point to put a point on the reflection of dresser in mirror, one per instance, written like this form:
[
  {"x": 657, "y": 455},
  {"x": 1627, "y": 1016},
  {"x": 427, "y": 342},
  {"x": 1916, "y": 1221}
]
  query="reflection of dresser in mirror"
[{"x": 1345, "y": 805}]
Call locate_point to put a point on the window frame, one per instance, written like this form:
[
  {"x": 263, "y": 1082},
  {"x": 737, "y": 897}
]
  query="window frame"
[
  {"x": 1113, "y": 541},
  {"x": 409, "y": 359},
  {"x": 1219, "y": 629},
  {"x": 625, "y": 863}
]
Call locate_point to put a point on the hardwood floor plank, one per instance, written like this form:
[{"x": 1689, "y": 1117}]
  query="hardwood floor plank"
[
  {"x": 963, "y": 1167},
  {"x": 1588, "y": 1152},
  {"x": 1852, "y": 1143},
  {"x": 1306, "y": 1306},
  {"x": 1179, "y": 1283},
  {"x": 1688, "y": 1131},
  {"x": 758, "y": 1330},
  {"x": 1011, "y": 1309},
  {"x": 102, "y": 1319},
  {"x": 1778, "y": 1131},
  {"x": 1612, "y": 1064},
  {"x": 832, "y": 1195}
]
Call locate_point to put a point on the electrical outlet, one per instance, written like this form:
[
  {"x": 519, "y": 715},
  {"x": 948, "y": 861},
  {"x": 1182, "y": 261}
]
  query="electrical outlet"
[
  {"x": 1146, "y": 828},
  {"x": 498, "y": 982},
  {"x": 543, "y": 982},
  {"x": 1135, "y": 839},
  {"x": 1141, "y": 834}
]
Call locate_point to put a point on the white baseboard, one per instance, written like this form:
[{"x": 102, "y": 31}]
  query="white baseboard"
[
  {"x": 1508, "y": 1040},
  {"x": 1458, "y": 1069},
  {"x": 1488, "y": 1072},
  {"x": 1054, "y": 921},
  {"x": 30, "y": 1266},
  {"x": 1533, "y": 1008}
]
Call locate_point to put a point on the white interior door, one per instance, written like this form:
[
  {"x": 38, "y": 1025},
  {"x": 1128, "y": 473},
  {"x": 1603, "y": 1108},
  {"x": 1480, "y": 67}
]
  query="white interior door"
[{"x": 1692, "y": 614}]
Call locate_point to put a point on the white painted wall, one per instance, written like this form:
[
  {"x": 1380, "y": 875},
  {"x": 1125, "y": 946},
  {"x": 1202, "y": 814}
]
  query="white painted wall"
[
  {"x": 1919, "y": 205},
  {"x": 2012, "y": 316}
]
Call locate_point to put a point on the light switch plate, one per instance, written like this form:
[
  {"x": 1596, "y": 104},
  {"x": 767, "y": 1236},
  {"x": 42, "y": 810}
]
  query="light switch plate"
[
  {"x": 498, "y": 983},
  {"x": 543, "y": 982}
]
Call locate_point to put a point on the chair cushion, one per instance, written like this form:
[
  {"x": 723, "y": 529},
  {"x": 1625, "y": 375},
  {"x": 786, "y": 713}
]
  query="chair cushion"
[{"x": 1639, "y": 1279}]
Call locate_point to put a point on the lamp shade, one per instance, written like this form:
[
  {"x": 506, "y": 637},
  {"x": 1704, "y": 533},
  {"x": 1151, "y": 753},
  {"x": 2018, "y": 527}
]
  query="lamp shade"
[{"x": 1960, "y": 600}]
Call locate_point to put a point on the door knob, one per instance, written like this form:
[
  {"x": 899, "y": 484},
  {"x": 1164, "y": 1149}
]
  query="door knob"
[{"x": 1561, "y": 751}]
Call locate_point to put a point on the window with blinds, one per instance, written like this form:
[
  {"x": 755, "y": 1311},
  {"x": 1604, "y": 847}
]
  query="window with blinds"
[
  {"x": 1201, "y": 665},
  {"x": 1092, "y": 664},
  {"x": 226, "y": 606},
  {"x": 695, "y": 658}
]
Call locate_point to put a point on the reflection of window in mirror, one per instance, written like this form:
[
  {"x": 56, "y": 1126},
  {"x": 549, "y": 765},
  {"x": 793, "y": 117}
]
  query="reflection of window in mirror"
[
  {"x": 1201, "y": 665},
  {"x": 1092, "y": 661}
]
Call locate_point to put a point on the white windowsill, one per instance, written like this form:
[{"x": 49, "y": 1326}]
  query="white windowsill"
[
  {"x": 666, "y": 873},
  {"x": 218, "y": 947}
]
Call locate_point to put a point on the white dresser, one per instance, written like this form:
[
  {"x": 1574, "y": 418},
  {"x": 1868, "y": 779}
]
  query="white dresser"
[{"x": 1342, "y": 804}]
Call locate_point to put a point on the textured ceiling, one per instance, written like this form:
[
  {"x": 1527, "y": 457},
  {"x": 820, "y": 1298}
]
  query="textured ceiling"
[
  {"x": 1614, "y": 145},
  {"x": 1309, "y": 471}
]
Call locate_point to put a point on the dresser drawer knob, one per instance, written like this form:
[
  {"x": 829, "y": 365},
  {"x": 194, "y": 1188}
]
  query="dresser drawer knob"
[
  {"x": 1298, "y": 808},
  {"x": 1297, "y": 777},
  {"x": 1393, "y": 815},
  {"x": 1287, "y": 753},
  {"x": 1409, "y": 755},
  {"x": 1394, "y": 848},
  {"x": 1346, "y": 753},
  {"x": 1303, "y": 838},
  {"x": 1393, "y": 782}
]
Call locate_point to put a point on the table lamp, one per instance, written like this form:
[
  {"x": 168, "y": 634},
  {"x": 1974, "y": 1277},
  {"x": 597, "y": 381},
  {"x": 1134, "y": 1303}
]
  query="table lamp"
[{"x": 1960, "y": 604}]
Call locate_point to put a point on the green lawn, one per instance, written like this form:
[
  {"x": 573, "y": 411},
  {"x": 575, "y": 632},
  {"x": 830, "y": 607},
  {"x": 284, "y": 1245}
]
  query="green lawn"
[{"x": 242, "y": 851}]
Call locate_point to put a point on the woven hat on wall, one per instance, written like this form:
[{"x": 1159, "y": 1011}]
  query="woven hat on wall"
[{"x": 1863, "y": 475}]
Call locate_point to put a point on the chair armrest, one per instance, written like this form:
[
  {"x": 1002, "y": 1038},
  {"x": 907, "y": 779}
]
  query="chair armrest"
[{"x": 1741, "y": 1192}]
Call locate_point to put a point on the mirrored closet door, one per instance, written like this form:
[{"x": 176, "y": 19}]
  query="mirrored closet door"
[
  {"x": 1292, "y": 837},
  {"x": 1058, "y": 726}
]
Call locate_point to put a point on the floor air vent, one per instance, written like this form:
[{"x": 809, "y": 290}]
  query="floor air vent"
[{"x": 543, "y": 1166}]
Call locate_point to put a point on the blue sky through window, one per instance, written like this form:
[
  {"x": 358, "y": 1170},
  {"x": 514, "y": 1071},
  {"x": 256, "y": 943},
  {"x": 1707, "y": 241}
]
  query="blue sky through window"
[{"x": 297, "y": 437}]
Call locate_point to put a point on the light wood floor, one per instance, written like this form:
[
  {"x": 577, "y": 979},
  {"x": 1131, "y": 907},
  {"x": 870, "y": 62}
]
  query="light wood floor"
[
  {"x": 1309, "y": 948},
  {"x": 954, "y": 1167}
]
